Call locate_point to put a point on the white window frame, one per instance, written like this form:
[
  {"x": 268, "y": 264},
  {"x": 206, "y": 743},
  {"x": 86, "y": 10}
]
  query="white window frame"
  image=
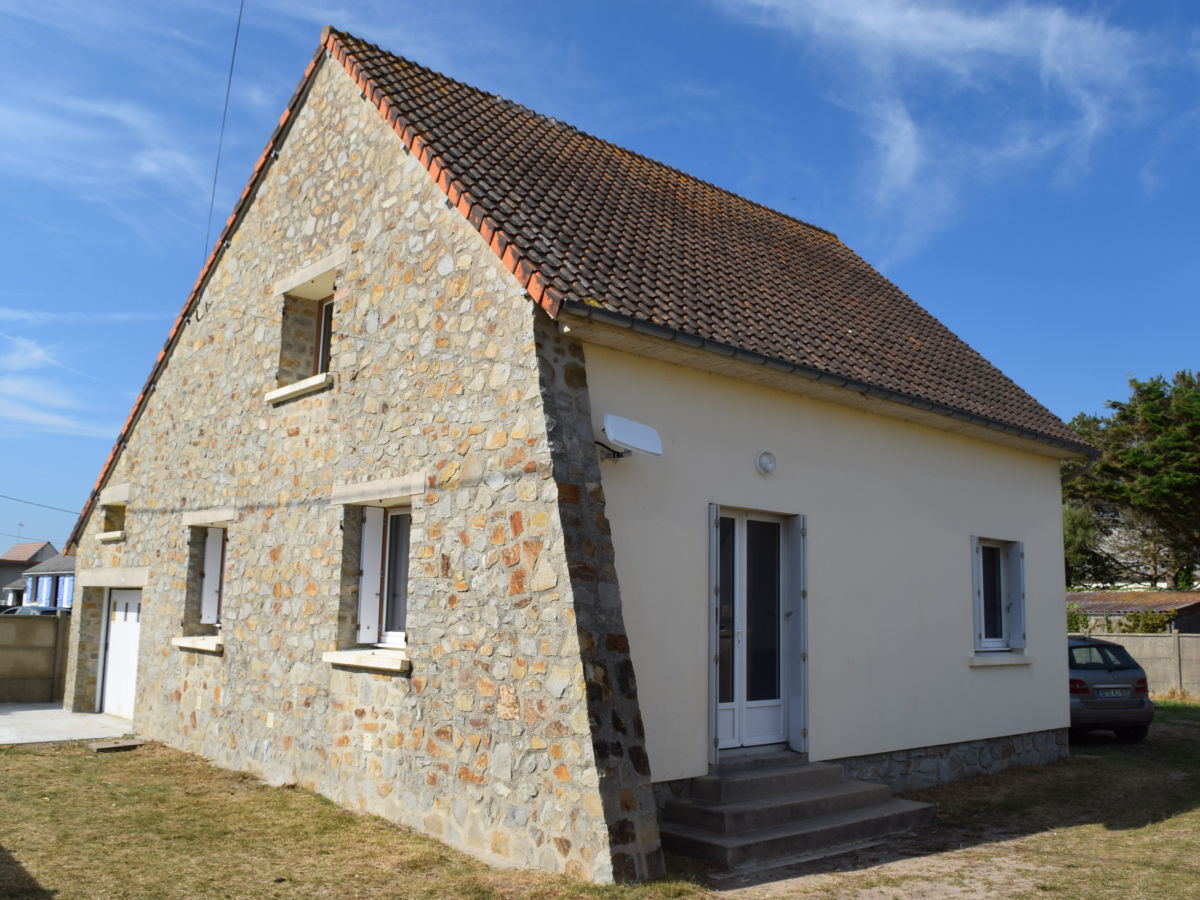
[
  {"x": 377, "y": 568},
  {"x": 212, "y": 575},
  {"x": 1011, "y": 571},
  {"x": 323, "y": 353}
]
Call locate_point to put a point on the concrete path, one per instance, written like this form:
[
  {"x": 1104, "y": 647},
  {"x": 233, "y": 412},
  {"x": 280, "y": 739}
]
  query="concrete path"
[{"x": 38, "y": 723}]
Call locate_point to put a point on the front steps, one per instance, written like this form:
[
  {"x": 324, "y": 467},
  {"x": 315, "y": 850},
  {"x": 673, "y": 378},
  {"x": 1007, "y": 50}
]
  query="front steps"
[{"x": 776, "y": 809}]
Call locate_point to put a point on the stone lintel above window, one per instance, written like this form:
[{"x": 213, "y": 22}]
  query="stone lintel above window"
[
  {"x": 381, "y": 492},
  {"x": 315, "y": 281},
  {"x": 115, "y": 495},
  {"x": 214, "y": 517}
]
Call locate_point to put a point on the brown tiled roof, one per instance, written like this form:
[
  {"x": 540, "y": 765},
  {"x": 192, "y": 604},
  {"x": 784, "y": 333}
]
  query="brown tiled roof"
[
  {"x": 1099, "y": 603},
  {"x": 21, "y": 553},
  {"x": 582, "y": 222},
  {"x": 602, "y": 226}
]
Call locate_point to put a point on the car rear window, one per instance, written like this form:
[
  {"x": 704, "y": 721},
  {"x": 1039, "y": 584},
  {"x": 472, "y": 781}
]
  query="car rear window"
[{"x": 1097, "y": 656}]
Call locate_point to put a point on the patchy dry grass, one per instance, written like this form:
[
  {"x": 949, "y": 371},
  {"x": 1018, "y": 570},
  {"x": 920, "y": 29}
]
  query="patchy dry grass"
[
  {"x": 158, "y": 823},
  {"x": 1115, "y": 820}
]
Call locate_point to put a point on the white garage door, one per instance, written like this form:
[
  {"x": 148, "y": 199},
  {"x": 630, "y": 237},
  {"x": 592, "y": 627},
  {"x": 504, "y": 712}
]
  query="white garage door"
[{"x": 120, "y": 652}]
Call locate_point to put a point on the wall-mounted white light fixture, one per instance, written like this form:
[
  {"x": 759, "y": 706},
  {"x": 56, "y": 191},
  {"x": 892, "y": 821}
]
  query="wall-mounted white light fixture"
[{"x": 765, "y": 462}]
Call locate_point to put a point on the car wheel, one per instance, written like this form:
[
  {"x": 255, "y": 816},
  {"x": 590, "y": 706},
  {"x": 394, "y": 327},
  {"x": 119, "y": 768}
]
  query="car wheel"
[{"x": 1133, "y": 735}]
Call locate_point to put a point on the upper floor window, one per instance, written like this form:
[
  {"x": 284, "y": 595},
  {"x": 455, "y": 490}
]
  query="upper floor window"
[{"x": 307, "y": 332}]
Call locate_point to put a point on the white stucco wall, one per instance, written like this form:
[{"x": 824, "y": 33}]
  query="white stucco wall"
[{"x": 890, "y": 508}]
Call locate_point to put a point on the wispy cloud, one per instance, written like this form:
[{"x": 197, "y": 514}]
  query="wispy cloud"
[
  {"x": 938, "y": 89},
  {"x": 97, "y": 146},
  {"x": 38, "y": 404},
  {"x": 42, "y": 317},
  {"x": 30, "y": 402}
]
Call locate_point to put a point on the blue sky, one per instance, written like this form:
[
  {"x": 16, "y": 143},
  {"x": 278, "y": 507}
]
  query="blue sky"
[{"x": 1027, "y": 171}]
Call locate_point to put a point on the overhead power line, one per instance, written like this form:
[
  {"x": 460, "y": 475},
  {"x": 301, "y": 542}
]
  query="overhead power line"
[
  {"x": 73, "y": 512},
  {"x": 25, "y": 538},
  {"x": 221, "y": 136}
]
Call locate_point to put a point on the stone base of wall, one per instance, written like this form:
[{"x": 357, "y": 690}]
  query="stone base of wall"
[{"x": 922, "y": 767}]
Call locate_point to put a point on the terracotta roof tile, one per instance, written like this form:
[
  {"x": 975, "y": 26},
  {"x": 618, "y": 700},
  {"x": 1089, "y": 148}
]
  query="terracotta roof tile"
[{"x": 605, "y": 226}]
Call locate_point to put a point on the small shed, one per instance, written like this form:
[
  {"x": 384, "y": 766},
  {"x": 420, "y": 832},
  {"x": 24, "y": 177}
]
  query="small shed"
[{"x": 1109, "y": 610}]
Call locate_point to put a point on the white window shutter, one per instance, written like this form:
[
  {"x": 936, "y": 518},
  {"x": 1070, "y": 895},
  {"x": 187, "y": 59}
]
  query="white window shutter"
[
  {"x": 714, "y": 603},
  {"x": 210, "y": 579},
  {"x": 370, "y": 577},
  {"x": 977, "y": 590},
  {"x": 1016, "y": 595}
]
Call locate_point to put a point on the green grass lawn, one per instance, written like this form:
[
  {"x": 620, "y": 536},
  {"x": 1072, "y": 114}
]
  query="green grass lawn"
[{"x": 1115, "y": 820}]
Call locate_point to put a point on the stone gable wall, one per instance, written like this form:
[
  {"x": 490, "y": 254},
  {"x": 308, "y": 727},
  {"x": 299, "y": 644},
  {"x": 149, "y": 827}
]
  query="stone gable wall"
[{"x": 491, "y": 744}]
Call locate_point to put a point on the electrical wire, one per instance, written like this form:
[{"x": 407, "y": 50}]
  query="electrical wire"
[
  {"x": 212, "y": 200},
  {"x": 73, "y": 512}
]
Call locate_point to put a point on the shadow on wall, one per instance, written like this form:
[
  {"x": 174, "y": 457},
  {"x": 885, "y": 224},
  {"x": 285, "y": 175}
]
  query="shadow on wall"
[{"x": 16, "y": 882}]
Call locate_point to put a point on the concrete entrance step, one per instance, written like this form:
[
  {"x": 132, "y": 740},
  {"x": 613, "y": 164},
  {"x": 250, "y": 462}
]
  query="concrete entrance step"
[
  {"x": 804, "y": 838},
  {"x": 781, "y": 809},
  {"x": 764, "y": 781}
]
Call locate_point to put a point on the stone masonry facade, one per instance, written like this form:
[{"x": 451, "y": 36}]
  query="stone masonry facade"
[
  {"x": 516, "y": 736},
  {"x": 922, "y": 767}
]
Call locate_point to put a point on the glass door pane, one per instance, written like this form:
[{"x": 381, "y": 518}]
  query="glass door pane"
[
  {"x": 725, "y": 611},
  {"x": 762, "y": 610}
]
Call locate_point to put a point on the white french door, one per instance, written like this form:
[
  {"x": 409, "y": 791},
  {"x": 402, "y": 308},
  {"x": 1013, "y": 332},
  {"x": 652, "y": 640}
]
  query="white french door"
[{"x": 750, "y": 590}]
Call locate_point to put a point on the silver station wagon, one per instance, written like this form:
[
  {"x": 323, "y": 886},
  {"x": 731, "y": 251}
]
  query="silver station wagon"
[{"x": 1108, "y": 690}]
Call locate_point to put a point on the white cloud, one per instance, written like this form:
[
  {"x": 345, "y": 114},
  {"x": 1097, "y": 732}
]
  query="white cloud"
[
  {"x": 42, "y": 317},
  {"x": 35, "y": 403},
  {"x": 948, "y": 94},
  {"x": 22, "y": 354},
  {"x": 23, "y": 413},
  {"x": 96, "y": 146}
]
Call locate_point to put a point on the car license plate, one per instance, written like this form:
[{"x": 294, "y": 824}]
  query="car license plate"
[{"x": 1112, "y": 692}]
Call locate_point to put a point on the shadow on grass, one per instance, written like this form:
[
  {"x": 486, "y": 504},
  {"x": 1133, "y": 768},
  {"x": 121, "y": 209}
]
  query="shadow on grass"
[
  {"x": 16, "y": 883},
  {"x": 1121, "y": 787}
]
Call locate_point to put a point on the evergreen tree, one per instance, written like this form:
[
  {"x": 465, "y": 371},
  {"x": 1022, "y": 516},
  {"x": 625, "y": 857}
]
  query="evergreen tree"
[{"x": 1145, "y": 485}]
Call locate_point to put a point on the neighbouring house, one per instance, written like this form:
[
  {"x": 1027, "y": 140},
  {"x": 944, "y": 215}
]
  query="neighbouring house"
[
  {"x": 14, "y": 562},
  {"x": 13, "y": 593},
  {"x": 368, "y": 528},
  {"x": 1108, "y": 611},
  {"x": 51, "y": 583}
]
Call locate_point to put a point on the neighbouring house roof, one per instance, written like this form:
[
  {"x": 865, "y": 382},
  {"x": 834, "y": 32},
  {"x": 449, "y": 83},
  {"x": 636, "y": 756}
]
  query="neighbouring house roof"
[
  {"x": 23, "y": 553},
  {"x": 55, "y": 565},
  {"x": 15, "y": 585},
  {"x": 587, "y": 226},
  {"x": 1116, "y": 603}
]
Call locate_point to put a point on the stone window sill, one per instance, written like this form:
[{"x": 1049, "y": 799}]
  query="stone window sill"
[
  {"x": 381, "y": 659},
  {"x": 999, "y": 658},
  {"x": 109, "y": 537},
  {"x": 202, "y": 643},
  {"x": 300, "y": 388}
]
